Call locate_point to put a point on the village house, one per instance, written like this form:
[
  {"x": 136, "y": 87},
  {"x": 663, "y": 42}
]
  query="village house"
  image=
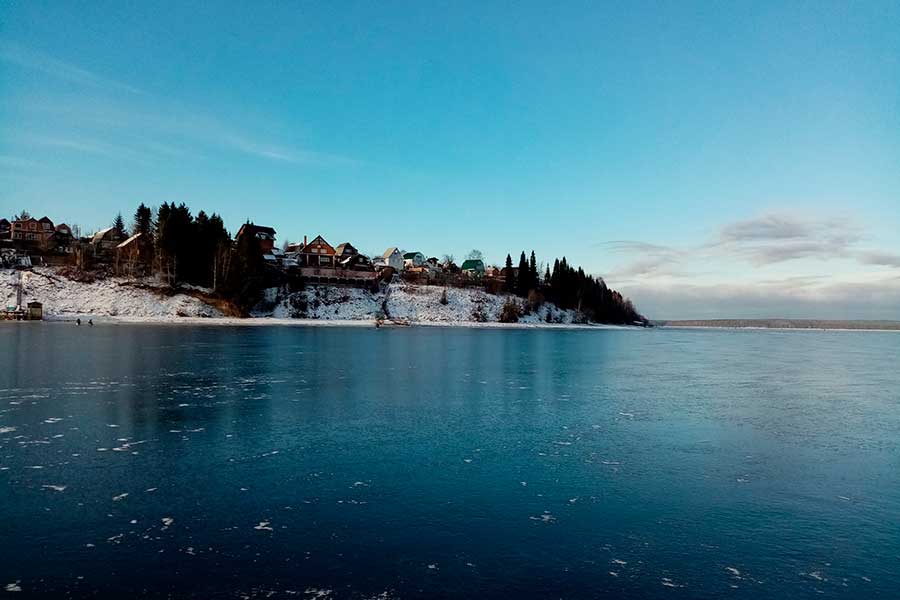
[
  {"x": 318, "y": 253},
  {"x": 63, "y": 240},
  {"x": 5, "y": 227},
  {"x": 134, "y": 255},
  {"x": 413, "y": 259},
  {"x": 106, "y": 240},
  {"x": 28, "y": 231},
  {"x": 393, "y": 258},
  {"x": 265, "y": 236},
  {"x": 344, "y": 251},
  {"x": 473, "y": 267}
]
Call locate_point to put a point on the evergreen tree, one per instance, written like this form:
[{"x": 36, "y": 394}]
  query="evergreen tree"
[
  {"x": 532, "y": 273},
  {"x": 119, "y": 224},
  {"x": 522, "y": 283},
  {"x": 509, "y": 284},
  {"x": 143, "y": 221}
]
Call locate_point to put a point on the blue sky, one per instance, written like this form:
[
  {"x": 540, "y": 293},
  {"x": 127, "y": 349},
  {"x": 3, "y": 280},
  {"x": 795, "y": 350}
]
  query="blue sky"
[{"x": 707, "y": 159}]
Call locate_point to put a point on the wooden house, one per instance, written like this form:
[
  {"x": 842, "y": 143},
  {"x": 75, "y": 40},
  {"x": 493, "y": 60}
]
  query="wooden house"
[
  {"x": 318, "y": 253},
  {"x": 265, "y": 236},
  {"x": 5, "y": 227},
  {"x": 393, "y": 258},
  {"x": 344, "y": 251}
]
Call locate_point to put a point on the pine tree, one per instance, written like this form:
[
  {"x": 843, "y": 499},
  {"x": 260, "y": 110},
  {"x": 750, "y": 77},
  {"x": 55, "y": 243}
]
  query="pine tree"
[
  {"x": 532, "y": 273},
  {"x": 509, "y": 284},
  {"x": 143, "y": 221},
  {"x": 522, "y": 283},
  {"x": 119, "y": 224}
]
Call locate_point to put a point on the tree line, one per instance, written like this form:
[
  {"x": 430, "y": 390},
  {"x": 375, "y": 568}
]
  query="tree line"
[
  {"x": 199, "y": 250},
  {"x": 568, "y": 288}
]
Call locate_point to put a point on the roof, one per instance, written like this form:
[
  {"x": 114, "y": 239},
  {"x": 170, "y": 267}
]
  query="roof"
[
  {"x": 63, "y": 226},
  {"x": 473, "y": 264},
  {"x": 317, "y": 240},
  {"x": 389, "y": 251},
  {"x": 130, "y": 240},
  {"x": 339, "y": 249},
  {"x": 252, "y": 229},
  {"x": 101, "y": 234},
  {"x": 412, "y": 255}
]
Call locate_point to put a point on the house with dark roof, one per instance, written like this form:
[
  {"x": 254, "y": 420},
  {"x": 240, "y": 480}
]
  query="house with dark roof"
[
  {"x": 344, "y": 251},
  {"x": 5, "y": 228},
  {"x": 265, "y": 236}
]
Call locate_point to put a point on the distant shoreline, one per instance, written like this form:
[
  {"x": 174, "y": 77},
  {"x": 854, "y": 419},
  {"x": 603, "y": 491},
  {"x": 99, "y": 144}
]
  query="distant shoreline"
[{"x": 783, "y": 324}]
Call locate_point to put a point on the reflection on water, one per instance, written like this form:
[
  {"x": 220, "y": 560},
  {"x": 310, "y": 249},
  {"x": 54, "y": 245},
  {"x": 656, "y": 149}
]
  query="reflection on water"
[{"x": 310, "y": 462}]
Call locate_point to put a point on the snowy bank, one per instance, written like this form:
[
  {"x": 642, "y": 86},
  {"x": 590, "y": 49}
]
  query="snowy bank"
[
  {"x": 112, "y": 297},
  {"x": 120, "y": 300},
  {"x": 401, "y": 302}
]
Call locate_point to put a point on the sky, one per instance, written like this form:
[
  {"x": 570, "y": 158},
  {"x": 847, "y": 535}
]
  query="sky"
[{"x": 709, "y": 160}]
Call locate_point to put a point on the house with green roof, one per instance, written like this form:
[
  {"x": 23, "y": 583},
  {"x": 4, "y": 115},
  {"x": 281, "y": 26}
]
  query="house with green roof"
[{"x": 473, "y": 267}]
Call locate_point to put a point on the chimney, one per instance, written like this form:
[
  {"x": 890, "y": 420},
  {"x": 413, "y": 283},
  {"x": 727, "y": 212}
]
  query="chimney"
[{"x": 304, "y": 239}]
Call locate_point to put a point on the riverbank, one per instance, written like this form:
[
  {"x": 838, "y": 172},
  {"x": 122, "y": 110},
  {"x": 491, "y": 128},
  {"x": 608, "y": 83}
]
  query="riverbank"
[{"x": 119, "y": 300}]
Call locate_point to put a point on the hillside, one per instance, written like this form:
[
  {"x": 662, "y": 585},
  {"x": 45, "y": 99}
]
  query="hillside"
[{"x": 64, "y": 298}]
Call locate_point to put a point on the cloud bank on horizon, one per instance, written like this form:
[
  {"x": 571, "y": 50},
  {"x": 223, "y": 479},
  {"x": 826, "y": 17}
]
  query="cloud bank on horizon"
[{"x": 773, "y": 265}]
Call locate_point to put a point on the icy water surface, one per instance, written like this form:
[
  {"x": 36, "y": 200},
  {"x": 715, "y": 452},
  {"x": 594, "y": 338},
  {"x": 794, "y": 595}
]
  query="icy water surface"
[{"x": 234, "y": 462}]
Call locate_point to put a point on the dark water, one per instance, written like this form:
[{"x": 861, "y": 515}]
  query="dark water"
[{"x": 355, "y": 463}]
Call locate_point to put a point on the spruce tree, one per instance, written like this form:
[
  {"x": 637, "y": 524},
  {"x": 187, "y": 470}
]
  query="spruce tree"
[
  {"x": 522, "y": 283},
  {"x": 119, "y": 224},
  {"x": 509, "y": 284}
]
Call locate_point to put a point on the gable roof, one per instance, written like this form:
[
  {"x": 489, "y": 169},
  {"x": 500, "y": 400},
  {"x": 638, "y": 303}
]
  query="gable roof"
[
  {"x": 411, "y": 255},
  {"x": 101, "y": 234},
  {"x": 473, "y": 264},
  {"x": 389, "y": 251},
  {"x": 318, "y": 240},
  {"x": 251, "y": 229},
  {"x": 133, "y": 239},
  {"x": 339, "y": 249}
]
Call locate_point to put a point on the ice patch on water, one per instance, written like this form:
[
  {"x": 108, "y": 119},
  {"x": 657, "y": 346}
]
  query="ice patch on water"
[
  {"x": 13, "y": 587},
  {"x": 55, "y": 488},
  {"x": 734, "y": 572},
  {"x": 167, "y": 522},
  {"x": 316, "y": 593},
  {"x": 616, "y": 561},
  {"x": 7, "y": 429},
  {"x": 669, "y": 583},
  {"x": 121, "y": 496},
  {"x": 544, "y": 518},
  {"x": 52, "y": 420},
  {"x": 264, "y": 526},
  {"x": 151, "y": 489},
  {"x": 433, "y": 567}
]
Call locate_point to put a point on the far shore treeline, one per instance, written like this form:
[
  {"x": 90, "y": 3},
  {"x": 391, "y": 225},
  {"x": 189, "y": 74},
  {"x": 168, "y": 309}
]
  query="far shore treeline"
[{"x": 197, "y": 250}]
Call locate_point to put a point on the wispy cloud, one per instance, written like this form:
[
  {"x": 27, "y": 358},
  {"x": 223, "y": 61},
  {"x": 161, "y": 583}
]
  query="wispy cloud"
[
  {"x": 761, "y": 242},
  {"x": 29, "y": 59},
  {"x": 775, "y": 238},
  {"x": 88, "y": 146},
  {"x": 144, "y": 123}
]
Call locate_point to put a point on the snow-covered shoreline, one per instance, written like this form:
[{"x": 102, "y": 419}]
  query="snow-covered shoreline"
[{"x": 114, "y": 300}]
